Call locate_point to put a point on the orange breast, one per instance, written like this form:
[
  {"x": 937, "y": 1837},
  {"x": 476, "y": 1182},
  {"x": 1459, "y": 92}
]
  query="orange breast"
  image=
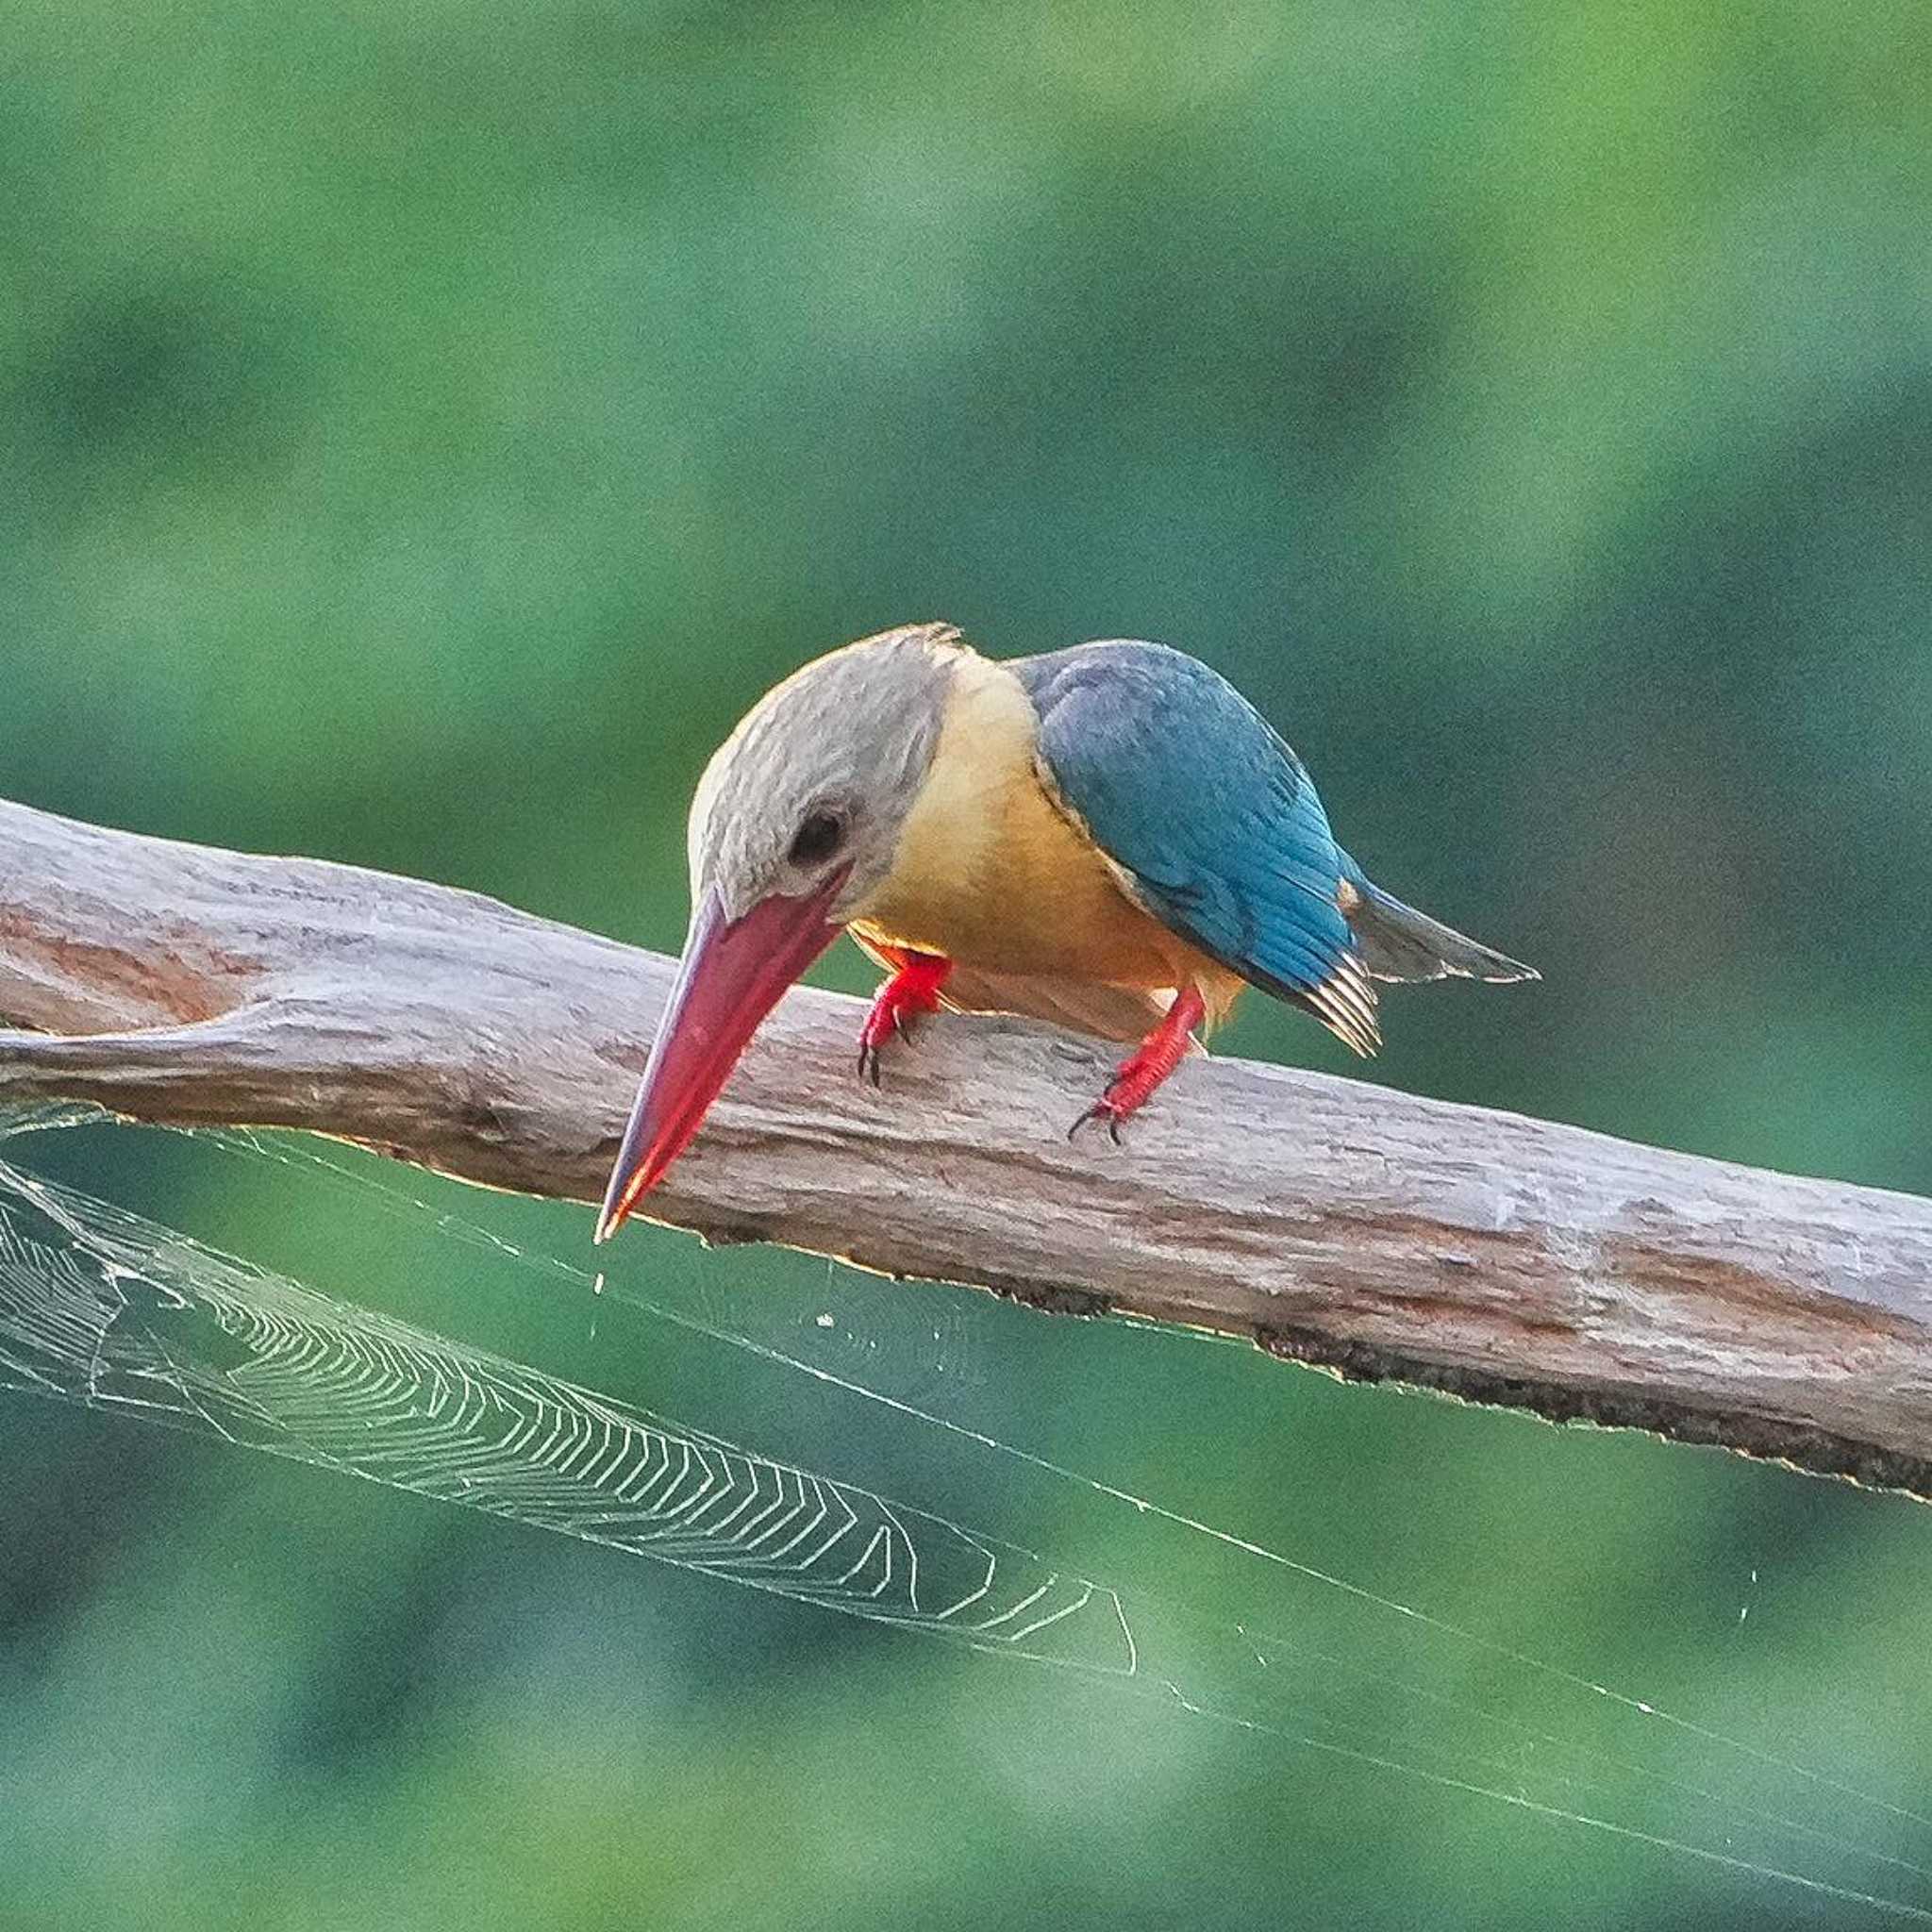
[{"x": 991, "y": 871}]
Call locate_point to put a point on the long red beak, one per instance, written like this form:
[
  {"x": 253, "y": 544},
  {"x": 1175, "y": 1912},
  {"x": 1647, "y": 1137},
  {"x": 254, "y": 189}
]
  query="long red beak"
[{"x": 731, "y": 975}]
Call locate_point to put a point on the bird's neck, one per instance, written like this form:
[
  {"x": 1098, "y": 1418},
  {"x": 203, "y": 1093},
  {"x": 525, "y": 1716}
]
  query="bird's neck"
[{"x": 951, "y": 845}]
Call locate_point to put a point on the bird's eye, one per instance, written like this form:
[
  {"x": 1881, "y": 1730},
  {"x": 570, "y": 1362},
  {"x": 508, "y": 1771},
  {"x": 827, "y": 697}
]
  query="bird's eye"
[{"x": 818, "y": 838}]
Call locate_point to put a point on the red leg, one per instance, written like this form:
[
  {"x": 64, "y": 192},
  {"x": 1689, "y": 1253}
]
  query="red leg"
[
  {"x": 913, "y": 988},
  {"x": 1148, "y": 1065}
]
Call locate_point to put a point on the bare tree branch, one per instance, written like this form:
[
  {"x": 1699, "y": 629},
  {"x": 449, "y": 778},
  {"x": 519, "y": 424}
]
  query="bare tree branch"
[{"x": 1505, "y": 1259}]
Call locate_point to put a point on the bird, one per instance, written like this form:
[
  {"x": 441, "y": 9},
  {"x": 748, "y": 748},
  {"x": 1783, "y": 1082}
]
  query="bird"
[{"x": 1109, "y": 837}]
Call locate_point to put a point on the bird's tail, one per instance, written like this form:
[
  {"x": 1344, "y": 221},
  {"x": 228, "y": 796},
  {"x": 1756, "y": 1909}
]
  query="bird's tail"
[{"x": 1399, "y": 943}]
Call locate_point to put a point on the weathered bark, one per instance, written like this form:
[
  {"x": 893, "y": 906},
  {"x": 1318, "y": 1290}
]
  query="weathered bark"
[{"x": 1505, "y": 1259}]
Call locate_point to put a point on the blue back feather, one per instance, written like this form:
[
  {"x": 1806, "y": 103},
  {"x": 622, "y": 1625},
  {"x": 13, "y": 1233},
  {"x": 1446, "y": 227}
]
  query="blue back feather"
[{"x": 1186, "y": 786}]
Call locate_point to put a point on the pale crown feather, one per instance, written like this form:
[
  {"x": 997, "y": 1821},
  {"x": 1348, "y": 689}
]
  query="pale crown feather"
[{"x": 849, "y": 739}]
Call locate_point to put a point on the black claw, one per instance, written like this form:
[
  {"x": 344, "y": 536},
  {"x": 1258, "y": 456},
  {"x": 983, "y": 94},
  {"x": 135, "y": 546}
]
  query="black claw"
[
  {"x": 868, "y": 1063},
  {"x": 1100, "y": 1111}
]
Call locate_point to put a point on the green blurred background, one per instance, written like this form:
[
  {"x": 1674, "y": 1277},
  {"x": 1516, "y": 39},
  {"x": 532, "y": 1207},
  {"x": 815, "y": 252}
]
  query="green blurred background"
[{"x": 425, "y": 425}]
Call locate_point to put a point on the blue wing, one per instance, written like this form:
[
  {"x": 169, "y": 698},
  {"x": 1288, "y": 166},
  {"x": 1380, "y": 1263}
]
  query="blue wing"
[{"x": 1184, "y": 785}]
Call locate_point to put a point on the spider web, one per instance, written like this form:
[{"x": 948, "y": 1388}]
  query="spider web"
[{"x": 103, "y": 1308}]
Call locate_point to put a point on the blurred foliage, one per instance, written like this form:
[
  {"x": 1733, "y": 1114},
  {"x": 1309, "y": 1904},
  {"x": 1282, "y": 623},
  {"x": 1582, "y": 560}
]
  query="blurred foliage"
[{"x": 427, "y": 425}]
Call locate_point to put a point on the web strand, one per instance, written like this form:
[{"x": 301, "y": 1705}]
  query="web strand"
[
  {"x": 101, "y": 1307},
  {"x": 1645, "y": 1708}
]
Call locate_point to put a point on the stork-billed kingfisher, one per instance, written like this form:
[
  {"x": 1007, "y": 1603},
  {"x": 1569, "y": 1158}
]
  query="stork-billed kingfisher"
[{"x": 1110, "y": 837}]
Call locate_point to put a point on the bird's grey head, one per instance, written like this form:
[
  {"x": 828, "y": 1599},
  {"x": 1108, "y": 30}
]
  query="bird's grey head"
[{"x": 821, "y": 774}]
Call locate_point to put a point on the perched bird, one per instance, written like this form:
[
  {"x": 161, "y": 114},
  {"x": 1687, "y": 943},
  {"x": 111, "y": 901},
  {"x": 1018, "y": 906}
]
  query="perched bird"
[{"x": 1110, "y": 837}]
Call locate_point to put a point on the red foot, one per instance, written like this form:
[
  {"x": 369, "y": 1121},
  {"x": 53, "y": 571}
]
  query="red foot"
[
  {"x": 1147, "y": 1066},
  {"x": 913, "y": 989}
]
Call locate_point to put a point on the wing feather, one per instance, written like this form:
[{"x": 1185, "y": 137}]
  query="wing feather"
[{"x": 1208, "y": 814}]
